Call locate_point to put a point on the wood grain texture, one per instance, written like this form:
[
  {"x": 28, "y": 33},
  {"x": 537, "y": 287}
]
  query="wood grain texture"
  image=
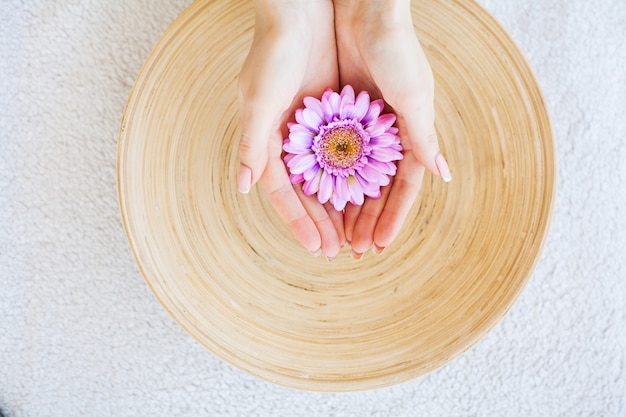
[{"x": 230, "y": 273}]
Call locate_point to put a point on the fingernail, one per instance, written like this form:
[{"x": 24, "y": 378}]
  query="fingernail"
[
  {"x": 317, "y": 252},
  {"x": 443, "y": 168},
  {"x": 356, "y": 255},
  {"x": 378, "y": 249},
  {"x": 330, "y": 258},
  {"x": 244, "y": 180}
]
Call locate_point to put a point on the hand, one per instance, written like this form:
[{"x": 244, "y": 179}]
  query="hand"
[
  {"x": 293, "y": 55},
  {"x": 379, "y": 52}
]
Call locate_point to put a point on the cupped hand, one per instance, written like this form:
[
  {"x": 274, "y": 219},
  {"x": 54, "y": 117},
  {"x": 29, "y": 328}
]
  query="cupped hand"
[
  {"x": 379, "y": 52},
  {"x": 293, "y": 55}
]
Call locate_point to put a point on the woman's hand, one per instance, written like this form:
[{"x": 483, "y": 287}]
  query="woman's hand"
[
  {"x": 379, "y": 52},
  {"x": 293, "y": 55}
]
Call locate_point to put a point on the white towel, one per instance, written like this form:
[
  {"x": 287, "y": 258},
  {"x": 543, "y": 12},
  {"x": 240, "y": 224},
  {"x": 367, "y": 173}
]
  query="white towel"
[{"x": 81, "y": 334}]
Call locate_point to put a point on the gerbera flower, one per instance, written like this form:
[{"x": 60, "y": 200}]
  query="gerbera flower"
[{"x": 342, "y": 148}]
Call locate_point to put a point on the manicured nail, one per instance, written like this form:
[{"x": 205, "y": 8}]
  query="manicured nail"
[
  {"x": 317, "y": 252},
  {"x": 356, "y": 255},
  {"x": 244, "y": 180},
  {"x": 443, "y": 168},
  {"x": 378, "y": 249},
  {"x": 330, "y": 258}
]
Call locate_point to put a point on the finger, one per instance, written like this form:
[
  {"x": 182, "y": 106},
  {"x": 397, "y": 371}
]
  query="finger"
[
  {"x": 363, "y": 235},
  {"x": 351, "y": 214},
  {"x": 337, "y": 218},
  {"x": 256, "y": 130},
  {"x": 330, "y": 241},
  {"x": 285, "y": 201},
  {"x": 425, "y": 144},
  {"x": 406, "y": 186}
]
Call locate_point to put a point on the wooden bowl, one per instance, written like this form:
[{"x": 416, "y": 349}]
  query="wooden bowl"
[{"x": 230, "y": 273}]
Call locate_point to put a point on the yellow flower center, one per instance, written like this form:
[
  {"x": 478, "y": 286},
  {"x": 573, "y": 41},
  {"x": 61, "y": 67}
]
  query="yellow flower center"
[{"x": 341, "y": 147}]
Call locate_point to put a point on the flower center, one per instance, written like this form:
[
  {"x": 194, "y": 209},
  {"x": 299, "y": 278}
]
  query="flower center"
[{"x": 341, "y": 146}]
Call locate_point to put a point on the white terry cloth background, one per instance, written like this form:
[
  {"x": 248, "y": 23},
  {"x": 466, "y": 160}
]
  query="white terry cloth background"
[{"x": 81, "y": 334}]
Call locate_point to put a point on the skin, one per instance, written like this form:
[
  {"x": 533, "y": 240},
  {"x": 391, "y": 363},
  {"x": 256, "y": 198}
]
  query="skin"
[
  {"x": 379, "y": 52},
  {"x": 300, "y": 48}
]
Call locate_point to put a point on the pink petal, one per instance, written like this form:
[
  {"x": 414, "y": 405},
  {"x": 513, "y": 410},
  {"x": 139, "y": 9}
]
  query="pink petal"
[
  {"x": 311, "y": 186},
  {"x": 341, "y": 188},
  {"x": 383, "y": 180},
  {"x": 361, "y": 105},
  {"x": 380, "y": 125},
  {"x": 382, "y": 167},
  {"x": 308, "y": 118},
  {"x": 296, "y": 178},
  {"x": 326, "y": 187},
  {"x": 370, "y": 189},
  {"x": 347, "y": 111},
  {"x": 310, "y": 173},
  {"x": 347, "y": 94},
  {"x": 312, "y": 119},
  {"x": 373, "y": 111},
  {"x": 301, "y": 138},
  {"x": 338, "y": 203},
  {"x": 330, "y": 105},
  {"x": 356, "y": 191},
  {"x": 297, "y": 128},
  {"x": 314, "y": 104},
  {"x": 385, "y": 154},
  {"x": 295, "y": 148},
  {"x": 346, "y": 104},
  {"x": 369, "y": 173},
  {"x": 288, "y": 157},
  {"x": 301, "y": 162},
  {"x": 384, "y": 140}
]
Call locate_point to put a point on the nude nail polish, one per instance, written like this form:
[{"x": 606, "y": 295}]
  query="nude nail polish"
[
  {"x": 244, "y": 179},
  {"x": 443, "y": 168},
  {"x": 356, "y": 255}
]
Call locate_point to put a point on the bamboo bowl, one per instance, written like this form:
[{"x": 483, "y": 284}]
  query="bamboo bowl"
[{"x": 230, "y": 273}]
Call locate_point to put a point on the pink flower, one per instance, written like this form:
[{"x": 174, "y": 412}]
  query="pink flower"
[{"x": 342, "y": 148}]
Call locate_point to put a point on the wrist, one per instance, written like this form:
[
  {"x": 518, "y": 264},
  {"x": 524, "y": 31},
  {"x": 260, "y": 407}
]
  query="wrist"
[
  {"x": 384, "y": 13},
  {"x": 290, "y": 15}
]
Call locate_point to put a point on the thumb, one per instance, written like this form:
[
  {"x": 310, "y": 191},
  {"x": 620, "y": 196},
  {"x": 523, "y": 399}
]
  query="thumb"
[
  {"x": 253, "y": 148},
  {"x": 425, "y": 144}
]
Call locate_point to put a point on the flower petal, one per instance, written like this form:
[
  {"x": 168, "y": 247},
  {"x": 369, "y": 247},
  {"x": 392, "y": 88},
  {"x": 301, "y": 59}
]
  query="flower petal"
[
  {"x": 295, "y": 148},
  {"x": 346, "y": 111},
  {"x": 338, "y": 203},
  {"x": 369, "y": 173},
  {"x": 310, "y": 173},
  {"x": 361, "y": 105},
  {"x": 314, "y": 104},
  {"x": 308, "y": 118},
  {"x": 311, "y": 186},
  {"x": 382, "y": 167},
  {"x": 326, "y": 187},
  {"x": 383, "y": 180},
  {"x": 370, "y": 189},
  {"x": 385, "y": 154},
  {"x": 347, "y": 94},
  {"x": 330, "y": 105},
  {"x": 384, "y": 140},
  {"x": 341, "y": 188},
  {"x": 380, "y": 125},
  {"x": 301, "y": 162},
  {"x": 312, "y": 119},
  {"x": 356, "y": 190},
  {"x": 296, "y": 178},
  {"x": 301, "y": 138},
  {"x": 373, "y": 111}
]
